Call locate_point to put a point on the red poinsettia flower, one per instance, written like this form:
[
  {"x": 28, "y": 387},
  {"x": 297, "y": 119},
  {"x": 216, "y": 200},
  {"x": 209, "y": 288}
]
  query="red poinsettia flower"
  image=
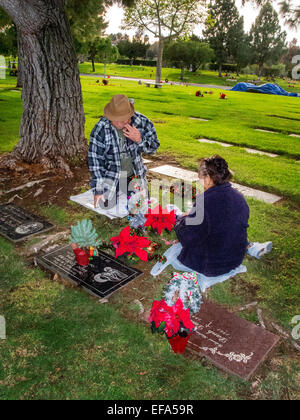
[
  {"x": 177, "y": 313},
  {"x": 171, "y": 315},
  {"x": 160, "y": 219},
  {"x": 158, "y": 312},
  {"x": 128, "y": 242}
]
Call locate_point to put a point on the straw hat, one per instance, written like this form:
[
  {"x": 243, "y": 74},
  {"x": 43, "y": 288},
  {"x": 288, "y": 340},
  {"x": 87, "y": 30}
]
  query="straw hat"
[{"x": 119, "y": 109}]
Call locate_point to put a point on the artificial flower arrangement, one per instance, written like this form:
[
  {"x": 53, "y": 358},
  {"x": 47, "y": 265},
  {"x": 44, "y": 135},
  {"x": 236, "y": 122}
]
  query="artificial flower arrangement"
[
  {"x": 223, "y": 96},
  {"x": 84, "y": 241},
  {"x": 171, "y": 315},
  {"x": 199, "y": 94},
  {"x": 129, "y": 242},
  {"x": 159, "y": 219}
]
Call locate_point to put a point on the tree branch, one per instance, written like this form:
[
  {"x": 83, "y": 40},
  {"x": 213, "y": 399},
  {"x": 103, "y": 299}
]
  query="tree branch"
[
  {"x": 11, "y": 7},
  {"x": 30, "y": 16}
]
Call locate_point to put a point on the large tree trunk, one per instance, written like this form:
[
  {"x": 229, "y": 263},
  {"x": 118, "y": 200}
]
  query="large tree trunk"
[
  {"x": 52, "y": 124},
  {"x": 159, "y": 60},
  {"x": 19, "y": 81}
]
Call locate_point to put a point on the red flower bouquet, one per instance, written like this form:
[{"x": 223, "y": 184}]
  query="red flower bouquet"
[
  {"x": 131, "y": 243},
  {"x": 174, "y": 321},
  {"x": 160, "y": 219}
]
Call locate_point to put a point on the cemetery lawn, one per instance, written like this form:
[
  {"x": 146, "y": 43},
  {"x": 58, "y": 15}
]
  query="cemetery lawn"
[
  {"x": 61, "y": 343},
  {"x": 206, "y": 77}
]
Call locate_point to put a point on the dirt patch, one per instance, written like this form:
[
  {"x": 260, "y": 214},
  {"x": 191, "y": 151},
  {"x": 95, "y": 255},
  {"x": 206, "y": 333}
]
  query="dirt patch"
[{"x": 55, "y": 188}]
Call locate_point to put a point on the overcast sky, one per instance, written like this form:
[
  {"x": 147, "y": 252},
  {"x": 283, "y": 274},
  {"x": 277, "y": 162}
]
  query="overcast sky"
[{"x": 115, "y": 15}]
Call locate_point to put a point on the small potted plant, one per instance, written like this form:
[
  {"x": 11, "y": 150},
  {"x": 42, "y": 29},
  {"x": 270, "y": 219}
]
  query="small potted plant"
[
  {"x": 174, "y": 321},
  {"x": 171, "y": 315},
  {"x": 84, "y": 239}
]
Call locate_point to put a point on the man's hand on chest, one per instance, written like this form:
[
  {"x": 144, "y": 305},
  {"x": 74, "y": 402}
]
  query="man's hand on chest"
[{"x": 132, "y": 133}]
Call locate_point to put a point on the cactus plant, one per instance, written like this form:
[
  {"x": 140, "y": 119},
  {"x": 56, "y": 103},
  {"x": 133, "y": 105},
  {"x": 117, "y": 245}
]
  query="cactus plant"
[{"x": 84, "y": 235}]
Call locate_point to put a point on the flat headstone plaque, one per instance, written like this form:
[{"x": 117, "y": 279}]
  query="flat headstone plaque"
[
  {"x": 183, "y": 174},
  {"x": 230, "y": 343},
  {"x": 17, "y": 224},
  {"x": 102, "y": 277},
  {"x": 215, "y": 142}
]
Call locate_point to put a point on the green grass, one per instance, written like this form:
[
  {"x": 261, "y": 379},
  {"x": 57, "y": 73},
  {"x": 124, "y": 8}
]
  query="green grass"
[
  {"x": 63, "y": 344},
  {"x": 232, "y": 121},
  {"x": 201, "y": 77}
]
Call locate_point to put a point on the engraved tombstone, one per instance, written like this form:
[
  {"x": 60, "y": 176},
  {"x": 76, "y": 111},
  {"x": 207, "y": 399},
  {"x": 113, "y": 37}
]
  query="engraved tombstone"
[
  {"x": 230, "y": 343},
  {"x": 17, "y": 224},
  {"x": 102, "y": 277}
]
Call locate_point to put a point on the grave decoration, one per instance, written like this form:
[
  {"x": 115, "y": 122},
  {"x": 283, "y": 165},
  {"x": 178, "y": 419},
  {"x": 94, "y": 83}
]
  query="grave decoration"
[
  {"x": 84, "y": 240},
  {"x": 171, "y": 315},
  {"x": 159, "y": 219},
  {"x": 174, "y": 321},
  {"x": 199, "y": 94},
  {"x": 186, "y": 287},
  {"x": 129, "y": 242},
  {"x": 223, "y": 96}
]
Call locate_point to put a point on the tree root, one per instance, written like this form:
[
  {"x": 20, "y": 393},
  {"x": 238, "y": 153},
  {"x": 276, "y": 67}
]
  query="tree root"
[{"x": 13, "y": 162}]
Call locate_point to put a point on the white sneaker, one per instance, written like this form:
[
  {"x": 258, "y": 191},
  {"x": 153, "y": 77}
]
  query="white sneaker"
[{"x": 258, "y": 250}]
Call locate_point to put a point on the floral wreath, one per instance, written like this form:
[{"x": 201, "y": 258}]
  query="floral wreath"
[{"x": 185, "y": 286}]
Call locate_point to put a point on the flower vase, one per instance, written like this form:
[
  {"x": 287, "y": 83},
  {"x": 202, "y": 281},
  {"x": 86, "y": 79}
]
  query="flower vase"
[
  {"x": 178, "y": 344},
  {"x": 82, "y": 257}
]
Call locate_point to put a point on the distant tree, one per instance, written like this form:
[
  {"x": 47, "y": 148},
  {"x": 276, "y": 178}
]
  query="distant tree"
[
  {"x": 224, "y": 30},
  {"x": 86, "y": 18},
  {"x": 166, "y": 20},
  {"x": 185, "y": 53},
  {"x": 152, "y": 52},
  {"x": 292, "y": 50},
  {"x": 242, "y": 54},
  {"x": 107, "y": 53},
  {"x": 133, "y": 49},
  {"x": 8, "y": 41},
  {"x": 291, "y": 13},
  {"x": 267, "y": 38},
  {"x": 289, "y": 10},
  {"x": 116, "y": 38}
]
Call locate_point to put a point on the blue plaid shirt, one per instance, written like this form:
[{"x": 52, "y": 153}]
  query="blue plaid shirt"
[{"x": 104, "y": 153}]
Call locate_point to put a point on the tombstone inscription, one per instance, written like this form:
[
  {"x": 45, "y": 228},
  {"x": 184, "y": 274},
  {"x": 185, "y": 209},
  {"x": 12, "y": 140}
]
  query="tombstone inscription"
[
  {"x": 230, "y": 343},
  {"x": 102, "y": 277},
  {"x": 17, "y": 224}
]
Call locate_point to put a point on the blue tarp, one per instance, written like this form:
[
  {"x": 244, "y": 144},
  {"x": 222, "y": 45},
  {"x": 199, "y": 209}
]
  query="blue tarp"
[{"x": 268, "y": 88}]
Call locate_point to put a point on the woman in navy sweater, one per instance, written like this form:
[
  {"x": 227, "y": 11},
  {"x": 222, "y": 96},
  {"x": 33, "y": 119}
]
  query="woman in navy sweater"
[{"x": 218, "y": 244}]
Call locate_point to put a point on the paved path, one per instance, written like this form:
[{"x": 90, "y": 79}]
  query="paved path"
[{"x": 151, "y": 81}]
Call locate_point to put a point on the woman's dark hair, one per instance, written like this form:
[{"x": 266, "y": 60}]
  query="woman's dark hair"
[{"x": 217, "y": 168}]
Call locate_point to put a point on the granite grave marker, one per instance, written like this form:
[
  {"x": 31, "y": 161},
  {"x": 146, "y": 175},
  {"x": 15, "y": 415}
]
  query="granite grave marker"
[
  {"x": 230, "y": 343},
  {"x": 102, "y": 277},
  {"x": 17, "y": 224}
]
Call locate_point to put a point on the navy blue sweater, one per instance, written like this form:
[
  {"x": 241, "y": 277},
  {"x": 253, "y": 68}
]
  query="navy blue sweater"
[{"x": 219, "y": 243}]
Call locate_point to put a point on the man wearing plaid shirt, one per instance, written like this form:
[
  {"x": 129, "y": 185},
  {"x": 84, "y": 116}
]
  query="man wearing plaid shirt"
[{"x": 116, "y": 146}]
